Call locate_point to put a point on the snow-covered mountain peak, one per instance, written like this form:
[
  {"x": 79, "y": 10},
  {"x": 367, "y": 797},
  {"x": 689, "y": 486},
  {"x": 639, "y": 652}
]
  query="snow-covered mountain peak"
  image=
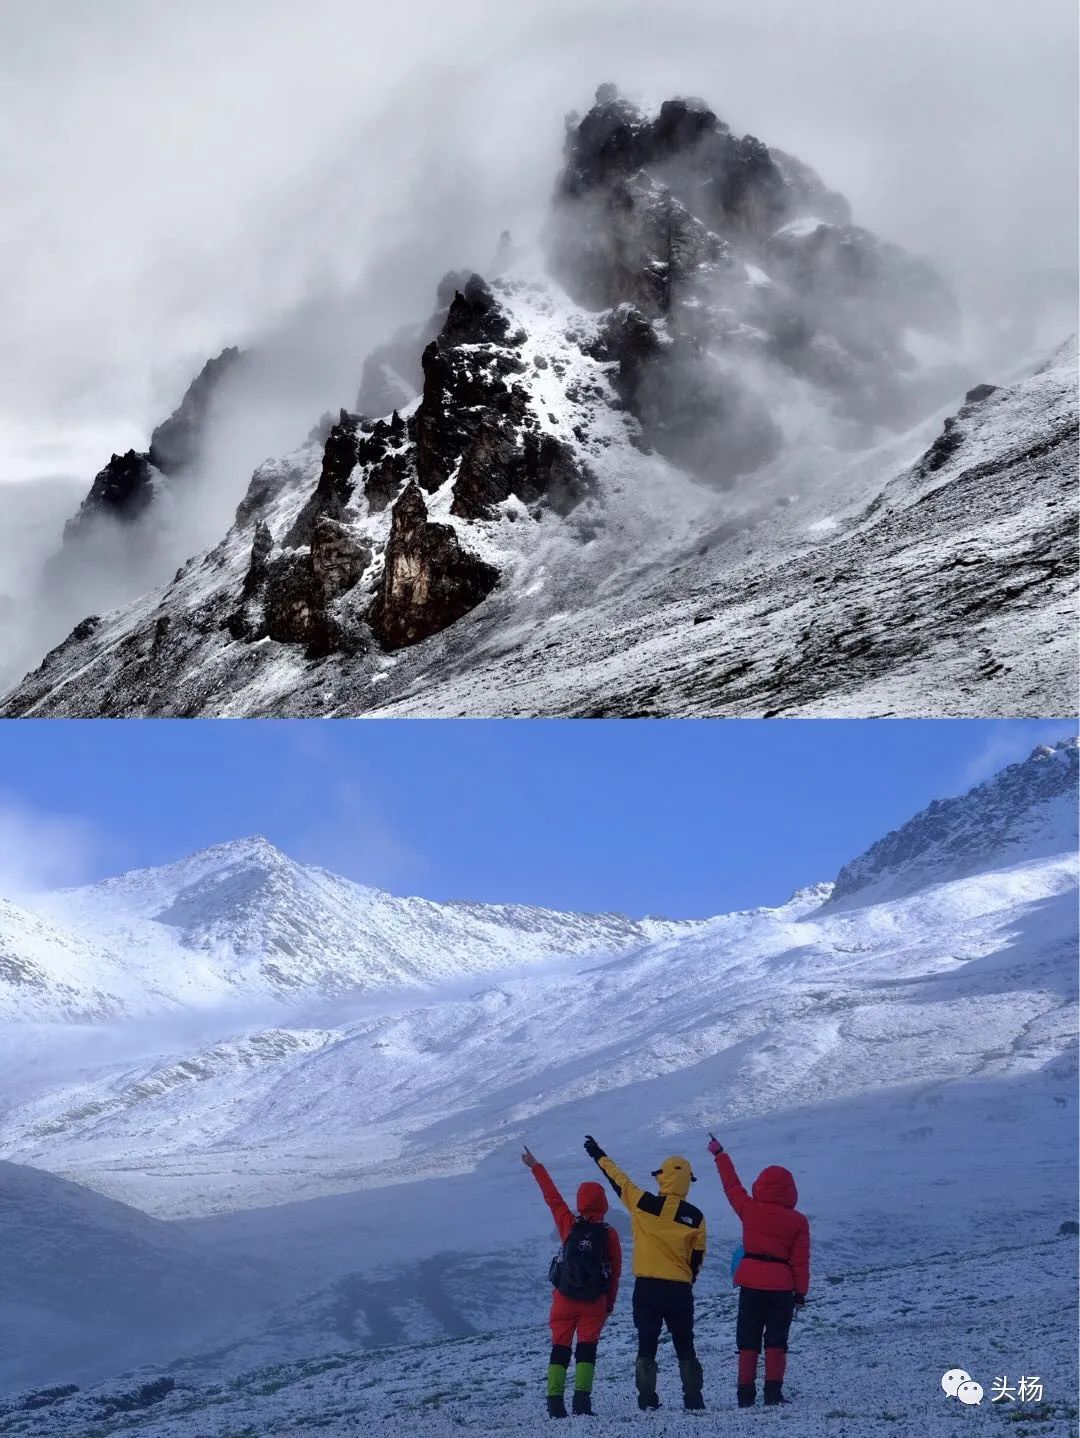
[
  {"x": 244, "y": 922},
  {"x": 562, "y": 470},
  {"x": 1026, "y": 811}
]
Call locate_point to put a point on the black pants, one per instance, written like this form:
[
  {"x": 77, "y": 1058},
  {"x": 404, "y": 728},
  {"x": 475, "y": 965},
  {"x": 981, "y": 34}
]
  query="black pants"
[
  {"x": 764, "y": 1316},
  {"x": 663, "y": 1300}
]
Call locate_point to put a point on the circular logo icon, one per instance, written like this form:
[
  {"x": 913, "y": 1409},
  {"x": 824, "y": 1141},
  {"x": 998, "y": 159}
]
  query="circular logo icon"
[{"x": 952, "y": 1380}]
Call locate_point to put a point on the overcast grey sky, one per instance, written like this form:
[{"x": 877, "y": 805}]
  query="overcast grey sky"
[{"x": 180, "y": 177}]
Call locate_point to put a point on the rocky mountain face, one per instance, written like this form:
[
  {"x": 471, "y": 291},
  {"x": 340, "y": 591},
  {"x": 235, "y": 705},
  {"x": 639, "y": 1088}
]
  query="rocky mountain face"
[
  {"x": 1026, "y": 811},
  {"x": 547, "y": 434},
  {"x": 715, "y": 252},
  {"x": 125, "y": 487}
]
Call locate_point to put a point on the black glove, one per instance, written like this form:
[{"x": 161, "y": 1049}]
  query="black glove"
[
  {"x": 592, "y": 1148},
  {"x": 800, "y": 1300}
]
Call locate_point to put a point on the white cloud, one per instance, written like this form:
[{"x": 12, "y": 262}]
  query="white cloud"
[
  {"x": 40, "y": 850},
  {"x": 1008, "y": 742}
]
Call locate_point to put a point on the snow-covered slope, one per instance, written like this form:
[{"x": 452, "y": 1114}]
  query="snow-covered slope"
[
  {"x": 85, "y": 1277},
  {"x": 755, "y": 1012},
  {"x": 909, "y": 1051},
  {"x": 686, "y": 466},
  {"x": 49, "y": 973},
  {"x": 909, "y": 973},
  {"x": 866, "y": 1359},
  {"x": 241, "y": 922}
]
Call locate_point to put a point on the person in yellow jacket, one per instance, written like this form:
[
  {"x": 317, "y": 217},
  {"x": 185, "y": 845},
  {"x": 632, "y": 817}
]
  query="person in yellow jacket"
[{"x": 669, "y": 1246}]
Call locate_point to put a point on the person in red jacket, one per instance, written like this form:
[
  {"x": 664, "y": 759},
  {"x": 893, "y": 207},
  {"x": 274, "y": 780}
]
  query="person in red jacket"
[
  {"x": 773, "y": 1275},
  {"x": 584, "y": 1317}
]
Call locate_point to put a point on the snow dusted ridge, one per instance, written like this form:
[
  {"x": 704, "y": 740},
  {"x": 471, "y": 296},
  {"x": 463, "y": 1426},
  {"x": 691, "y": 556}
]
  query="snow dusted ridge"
[
  {"x": 687, "y": 465},
  {"x": 1027, "y": 811},
  {"x": 242, "y": 922},
  {"x": 909, "y": 1050}
]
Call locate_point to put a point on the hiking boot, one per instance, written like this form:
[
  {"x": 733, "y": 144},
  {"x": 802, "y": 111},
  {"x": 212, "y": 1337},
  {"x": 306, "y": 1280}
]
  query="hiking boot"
[
  {"x": 557, "y": 1408},
  {"x": 583, "y": 1404},
  {"x": 747, "y": 1394},
  {"x": 692, "y": 1379},
  {"x": 645, "y": 1380},
  {"x": 774, "y": 1394}
]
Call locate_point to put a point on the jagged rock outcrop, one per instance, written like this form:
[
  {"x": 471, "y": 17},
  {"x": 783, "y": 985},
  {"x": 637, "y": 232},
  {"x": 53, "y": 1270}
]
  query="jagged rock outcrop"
[
  {"x": 174, "y": 445},
  {"x": 429, "y": 581},
  {"x": 559, "y": 442},
  {"x": 125, "y": 487},
  {"x": 741, "y": 252},
  {"x": 392, "y": 375},
  {"x": 475, "y": 423},
  {"x": 122, "y": 490}
]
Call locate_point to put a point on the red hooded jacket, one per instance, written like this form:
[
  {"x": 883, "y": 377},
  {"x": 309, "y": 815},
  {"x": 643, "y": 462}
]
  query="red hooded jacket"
[
  {"x": 591, "y": 1204},
  {"x": 770, "y": 1225}
]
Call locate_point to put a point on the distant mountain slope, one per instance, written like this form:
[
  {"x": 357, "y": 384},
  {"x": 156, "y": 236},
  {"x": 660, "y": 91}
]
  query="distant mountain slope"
[
  {"x": 748, "y": 1014},
  {"x": 49, "y": 973},
  {"x": 85, "y": 1278},
  {"x": 242, "y": 922},
  {"x": 1027, "y": 811}
]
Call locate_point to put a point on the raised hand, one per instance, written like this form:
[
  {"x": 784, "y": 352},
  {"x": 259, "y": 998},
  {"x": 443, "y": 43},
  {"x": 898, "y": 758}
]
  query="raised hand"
[
  {"x": 592, "y": 1148},
  {"x": 715, "y": 1146},
  {"x": 528, "y": 1158}
]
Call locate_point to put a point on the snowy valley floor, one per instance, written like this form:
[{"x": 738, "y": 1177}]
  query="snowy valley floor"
[{"x": 867, "y": 1357}]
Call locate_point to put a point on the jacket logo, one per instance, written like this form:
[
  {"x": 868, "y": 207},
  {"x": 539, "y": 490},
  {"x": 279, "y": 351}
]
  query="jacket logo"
[{"x": 687, "y": 1219}]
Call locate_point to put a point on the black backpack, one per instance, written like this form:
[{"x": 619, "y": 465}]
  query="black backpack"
[{"x": 581, "y": 1269}]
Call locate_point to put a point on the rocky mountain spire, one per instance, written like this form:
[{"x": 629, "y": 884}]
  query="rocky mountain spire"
[{"x": 1025, "y": 811}]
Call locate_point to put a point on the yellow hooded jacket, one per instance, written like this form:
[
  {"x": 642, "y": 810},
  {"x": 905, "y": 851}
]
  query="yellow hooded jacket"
[{"x": 669, "y": 1233}]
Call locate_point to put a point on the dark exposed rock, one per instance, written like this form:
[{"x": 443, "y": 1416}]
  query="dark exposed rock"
[
  {"x": 486, "y": 475},
  {"x": 691, "y": 409},
  {"x": 980, "y": 393},
  {"x": 943, "y": 448},
  {"x": 494, "y": 467},
  {"x": 262, "y": 544},
  {"x": 44, "y": 1397},
  {"x": 125, "y": 487},
  {"x": 464, "y": 389},
  {"x": 334, "y": 489},
  {"x": 338, "y": 556},
  {"x": 657, "y": 210},
  {"x": 429, "y": 580},
  {"x": 86, "y": 627},
  {"x": 146, "y": 1394},
  {"x": 293, "y": 604},
  {"x": 633, "y": 242},
  {"x": 289, "y": 596},
  {"x": 174, "y": 445},
  {"x": 474, "y": 317},
  {"x": 121, "y": 490},
  {"x": 383, "y": 483}
]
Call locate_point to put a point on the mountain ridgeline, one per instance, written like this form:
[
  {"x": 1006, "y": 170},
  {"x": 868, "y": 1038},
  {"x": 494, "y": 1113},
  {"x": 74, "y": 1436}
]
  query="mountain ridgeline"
[{"x": 242, "y": 922}]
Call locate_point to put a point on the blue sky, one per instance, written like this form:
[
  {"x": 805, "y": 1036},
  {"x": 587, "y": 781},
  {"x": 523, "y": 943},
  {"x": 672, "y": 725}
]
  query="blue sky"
[{"x": 684, "y": 817}]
